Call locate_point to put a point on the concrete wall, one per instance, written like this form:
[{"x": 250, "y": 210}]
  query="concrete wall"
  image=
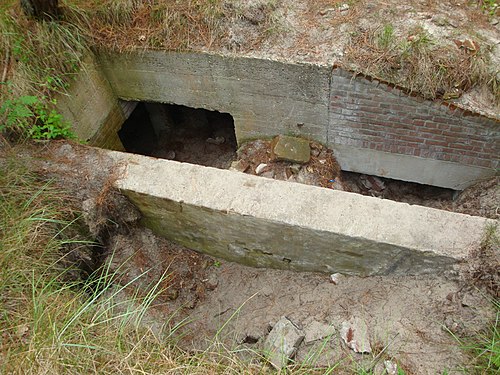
[
  {"x": 269, "y": 223},
  {"x": 373, "y": 128},
  {"x": 264, "y": 97},
  {"x": 93, "y": 109}
]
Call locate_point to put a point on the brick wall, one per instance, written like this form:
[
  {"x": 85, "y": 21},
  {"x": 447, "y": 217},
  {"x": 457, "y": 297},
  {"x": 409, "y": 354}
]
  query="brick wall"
[{"x": 370, "y": 114}]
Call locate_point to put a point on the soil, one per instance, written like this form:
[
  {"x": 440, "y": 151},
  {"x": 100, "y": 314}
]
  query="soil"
[{"x": 204, "y": 300}]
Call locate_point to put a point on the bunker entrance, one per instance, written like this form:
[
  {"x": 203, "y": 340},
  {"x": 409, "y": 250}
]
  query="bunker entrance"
[{"x": 180, "y": 133}]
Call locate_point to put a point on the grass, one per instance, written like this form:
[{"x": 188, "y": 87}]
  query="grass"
[
  {"x": 53, "y": 323},
  {"x": 416, "y": 62}
]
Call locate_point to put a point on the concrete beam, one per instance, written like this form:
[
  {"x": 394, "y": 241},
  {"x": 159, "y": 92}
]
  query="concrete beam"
[
  {"x": 267, "y": 223},
  {"x": 427, "y": 171},
  {"x": 264, "y": 97}
]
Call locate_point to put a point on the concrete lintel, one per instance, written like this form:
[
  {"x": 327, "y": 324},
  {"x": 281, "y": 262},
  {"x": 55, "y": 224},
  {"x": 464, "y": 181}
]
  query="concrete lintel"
[
  {"x": 409, "y": 168},
  {"x": 268, "y": 223}
]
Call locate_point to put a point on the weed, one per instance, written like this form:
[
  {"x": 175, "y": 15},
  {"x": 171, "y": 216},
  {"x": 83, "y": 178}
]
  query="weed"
[
  {"x": 386, "y": 37},
  {"x": 30, "y": 116}
]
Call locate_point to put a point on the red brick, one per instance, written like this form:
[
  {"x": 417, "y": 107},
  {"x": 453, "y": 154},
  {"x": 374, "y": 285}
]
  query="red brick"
[
  {"x": 436, "y": 143},
  {"x": 461, "y": 147}
]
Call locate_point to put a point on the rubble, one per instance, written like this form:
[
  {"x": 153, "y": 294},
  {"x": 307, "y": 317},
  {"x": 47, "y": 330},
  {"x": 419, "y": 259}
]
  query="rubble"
[
  {"x": 354, "y": 332},
  {"x": 282, "y": 342}
]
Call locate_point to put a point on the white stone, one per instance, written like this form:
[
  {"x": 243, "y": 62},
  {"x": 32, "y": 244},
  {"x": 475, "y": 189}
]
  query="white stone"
[
  {"x": 336, "y": 278},
  {"x": 260, "y": 168},
  {"x": 354, "y": 332},
  {"x": 391, "y": 368}
]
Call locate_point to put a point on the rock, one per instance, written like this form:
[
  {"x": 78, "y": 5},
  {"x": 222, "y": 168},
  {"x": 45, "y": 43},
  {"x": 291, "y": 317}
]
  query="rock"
[
  {"x": 391, "y": 368},
  {"x": 282, "y": 342},
  {"x": 260, "y": 168},
  {"x": 65, "y": 151},
  {"x": 295, "y": 168},
  {"x": 336, "y": 278},
  {"x": 166, "y": 154},
  {"x": 268, "y": 174},
  {"x": 354, "y": 332},
  {"x": 469, "y": 300},
  {"x": 211, "y": 282},
  {"x": 239, "y": 165},
  {"x": 344, "y": 7},
  {"x": 296, "y": 150},
  {"x": 373, "y": 184},
  {"x": 315, "y": 331}
]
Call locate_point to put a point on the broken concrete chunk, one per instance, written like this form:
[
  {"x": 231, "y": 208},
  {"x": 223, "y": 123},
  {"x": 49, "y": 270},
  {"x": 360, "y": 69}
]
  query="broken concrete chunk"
[
  {"x": 292, "y": 149},
  {"x": 315, "y": 331},
  {"x": 282, "y": 342},
  {"x": 354, "y": 332}
]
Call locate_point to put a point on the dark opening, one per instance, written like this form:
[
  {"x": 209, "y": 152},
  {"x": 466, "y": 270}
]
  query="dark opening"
[{"x": 181, "y": 133}]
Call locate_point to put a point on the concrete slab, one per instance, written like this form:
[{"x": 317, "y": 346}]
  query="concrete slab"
[{"x": 267, "y": 223}]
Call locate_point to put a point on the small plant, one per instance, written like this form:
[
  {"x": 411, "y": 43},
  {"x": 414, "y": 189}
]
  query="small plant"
[
  {"x": 32, "y": 117},
  {"x": 386, "y": 37},
  {"x": 489, "y": 6}
]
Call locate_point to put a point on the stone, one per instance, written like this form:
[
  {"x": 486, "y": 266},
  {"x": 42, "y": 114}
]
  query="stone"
[
  {"x": 344, "y": 8},
  {"x": 268, "y": 174},
  {"x": 282, "y": 342},
  {"x": 260, "y": 168},
  {"x": 372, "y": 183},
  {"x": 296, "y": 150},
  {"x": 315, "y": 331},
  {"x": 391, "y": 368},
  {"x": 354, "y": 332},
  {"x": 295, "y": 168},
  {"x": 336, "y": 278},
  {"x": 239, "y": 165}
]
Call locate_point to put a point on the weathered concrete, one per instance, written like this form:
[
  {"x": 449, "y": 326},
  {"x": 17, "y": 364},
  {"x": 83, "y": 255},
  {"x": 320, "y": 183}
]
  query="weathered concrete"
[
  {"x": 264, "y": 97},
  {"x": 409, "y": 168},
  {"x": 267, "y": 223},
  {"x": 92, "y": 109}
]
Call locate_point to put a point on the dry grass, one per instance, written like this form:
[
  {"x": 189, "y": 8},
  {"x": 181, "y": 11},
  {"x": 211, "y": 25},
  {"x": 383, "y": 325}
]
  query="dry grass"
[
  {"x": 157, "y": 24},
  {"x": 39, "y": 57},
  {"x": 415, "y": 62}
]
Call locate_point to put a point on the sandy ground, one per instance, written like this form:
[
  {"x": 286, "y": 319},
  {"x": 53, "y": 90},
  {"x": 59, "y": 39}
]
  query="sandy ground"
[{"x": 409, "y": 319}]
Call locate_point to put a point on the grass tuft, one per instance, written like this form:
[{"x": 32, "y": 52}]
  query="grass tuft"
[{"x": 415, "y": 62}]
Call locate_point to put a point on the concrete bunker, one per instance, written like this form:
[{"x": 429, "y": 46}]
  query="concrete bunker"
[
  {"x": 264, "y": 222},
  {"x": 177, "y": 132}
]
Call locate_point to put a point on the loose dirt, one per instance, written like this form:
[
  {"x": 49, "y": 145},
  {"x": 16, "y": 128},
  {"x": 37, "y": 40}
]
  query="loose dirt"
[{"x": 208, "y": 302}]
